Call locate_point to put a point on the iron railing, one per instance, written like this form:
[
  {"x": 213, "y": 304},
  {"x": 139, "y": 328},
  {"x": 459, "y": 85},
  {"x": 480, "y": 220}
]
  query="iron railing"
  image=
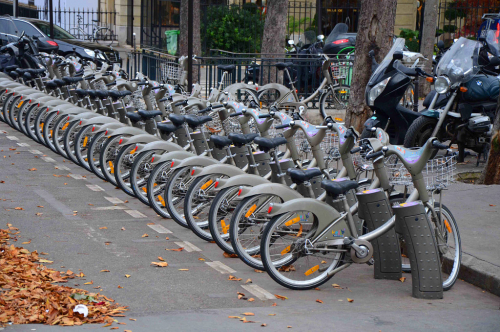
[{"x": 81, "y": 23}]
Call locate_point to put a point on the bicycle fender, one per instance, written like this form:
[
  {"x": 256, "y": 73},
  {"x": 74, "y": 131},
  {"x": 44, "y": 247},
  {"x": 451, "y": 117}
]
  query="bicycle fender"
[
  {"x": 233, "y": 88},
  {"x": 281, "y": 88},
  {"x": 82, "y": 116},
  {"x": 245, "y": 180},
  {"x": 169, "y": 156},
  {"x": 201, "y": 161},
  {"x": 226, "y": 169},
  {"x": 139, "y": 139},
  {"x": 159, "y": 145},
  {"x": 126, "y": 131},
  {"x": 74, "y": 111},
  {"x": 278, "y": 189},
  {"x": 100, "y": 120}
]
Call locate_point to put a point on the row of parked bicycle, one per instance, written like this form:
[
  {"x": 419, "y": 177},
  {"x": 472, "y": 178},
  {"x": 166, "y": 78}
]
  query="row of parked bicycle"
[{"x": 232, "y": 173}]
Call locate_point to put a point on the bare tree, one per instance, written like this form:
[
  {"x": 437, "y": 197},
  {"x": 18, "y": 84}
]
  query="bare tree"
[
  {"x": 183, "y": 37},
  {"x": 375, "y": 32},
  {"x": 273, "y": 41},
  {"x": 491, "y": 172},
  {"x": 427, "y": 42}
]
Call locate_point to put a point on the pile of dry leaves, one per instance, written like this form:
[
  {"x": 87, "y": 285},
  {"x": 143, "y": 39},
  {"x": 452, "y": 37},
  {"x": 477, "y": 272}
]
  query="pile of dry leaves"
[{"x": 28, "y": 293}]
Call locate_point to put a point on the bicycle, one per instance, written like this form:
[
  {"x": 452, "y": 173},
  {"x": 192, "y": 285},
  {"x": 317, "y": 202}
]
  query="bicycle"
[{"x": 99, "y": 33}]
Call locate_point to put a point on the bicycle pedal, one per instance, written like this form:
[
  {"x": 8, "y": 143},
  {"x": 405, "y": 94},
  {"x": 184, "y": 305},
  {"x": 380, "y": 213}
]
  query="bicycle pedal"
[{"x": 371, "y": 262}]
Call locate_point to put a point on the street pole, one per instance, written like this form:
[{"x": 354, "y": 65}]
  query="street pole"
[
  {"x": 51, "y": 19},
  {"x": 15, "y": 6},
  {"x": 318, "y": 16},
  {"x": 190, "y": 45}
]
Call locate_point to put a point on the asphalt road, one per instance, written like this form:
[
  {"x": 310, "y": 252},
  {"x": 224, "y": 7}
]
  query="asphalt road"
[{"x": 202, "y": 298}]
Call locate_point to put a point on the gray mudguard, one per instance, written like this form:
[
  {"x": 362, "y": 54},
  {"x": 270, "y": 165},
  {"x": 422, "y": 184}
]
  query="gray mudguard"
[
  {"x": 83, "y": 116},
  {"x": 242, "y": 180},
  {"x": 100, "y": 120},
  {"x": 127, "y": 131},
  {"x": 233, "y": 88},
  {"x": 226, "y": 169},
  {"x": 324, "y": 213},
  {"x": 139, "y": 139},
  {"x": 281, "y": 88},
  {"x": 159, "y": 145},
  {"x": 74, "y": 111},
  {"x": 278, "y": 189},
  {"x": 169, "y": 156},
  {"x": 200, "y": 103},
  {"x": 201, "y": 161}
]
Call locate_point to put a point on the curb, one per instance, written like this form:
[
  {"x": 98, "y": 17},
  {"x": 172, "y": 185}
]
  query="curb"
[{"x": 480, "y": 273}]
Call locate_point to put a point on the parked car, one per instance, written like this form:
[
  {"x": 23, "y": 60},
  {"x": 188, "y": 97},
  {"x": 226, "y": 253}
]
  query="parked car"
[
  {"x": 8, "y": 34},
  {"x": 67, "y": 43}
]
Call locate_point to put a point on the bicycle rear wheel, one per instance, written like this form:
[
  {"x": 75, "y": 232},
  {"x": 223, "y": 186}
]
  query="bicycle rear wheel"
[{"x": 336, "y": 98}]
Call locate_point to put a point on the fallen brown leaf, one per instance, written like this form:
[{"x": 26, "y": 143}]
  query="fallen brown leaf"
[
  {"x": 336, "y": 286},
  {"x": 492, "y": 204},
  {"x": 18, "y": 208},
  {"x": 248, "y": 314},
  {"x": 104, "y": 270},
  {"x": 280, "y": 297},
  {"x": 251, "y": 299},
  {"x": 114, "y": 328},
  {"x": 274, "y": 304},
  {"x": 272, "y": 315},
  {"x": 263, "y": 324},
  {"x": 183, "y": 269},
  {"x": 32, "y": 169},
  {"x": 160, "y": 264},
  {"x": 350, "y": 300},
  {"x": 201, "y": 259},
  {"x": 229, "y": 255},
  {"x": 258, "y": 271},
  {"x": 27, "y": 242},
  {"x": 238, "y": 317},
  {"x": 145, "y": 235},
  {"x": 402, "y": 279},
  {"x": 123, "y": 228},
  {"x": 161, "y": 258},
  {"x": 233, "y": 278},
  {"x": 127, "y": 276},
  {"x": 178, "y": 249},
  {"x": 319, "y": 301},
  {"x": 91, "y": 282},
  {"x": 103, "y": 227},
  {"x": 120, "y": 286},
  {"x": 249, "y": 281},
  {"x": 132, "y": 319}
]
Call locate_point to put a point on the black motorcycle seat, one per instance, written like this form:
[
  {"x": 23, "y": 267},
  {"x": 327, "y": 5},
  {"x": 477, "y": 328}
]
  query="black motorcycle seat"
[
  {"x": 11, "y": 68},
  {"x": 220, "y": 141},
  {"x": 49, "y": 84},
  {"x": 266, "y": 144},
  {"x": 149, "y": 114},
  {"x": 102, "y": 93},
  {"x": 227, "y": 68},
  {"x": 338, "y": 187},
  {"x": 59, "y": 82},
  {"x": 166, "y": 127},
  {"x": 242, "y": 139},
  {"x": 194, "y": 121},
  {"x": 134, "y": 116},
  {"x": 72, "y": 80},
  {"x": 300, "y": 176},
  {"x": 283, "y": 65},
  {"x": 177, "y": 119},
  {"x": 81, "y": 92}
]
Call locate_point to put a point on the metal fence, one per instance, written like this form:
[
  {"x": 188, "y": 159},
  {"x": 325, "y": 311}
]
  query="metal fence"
[
  {"x": 81, "y": 23},
  {"x": 305, "y": 73},
  {"x": 238, "y": 26},
  {"x": 461, "y": 18}
]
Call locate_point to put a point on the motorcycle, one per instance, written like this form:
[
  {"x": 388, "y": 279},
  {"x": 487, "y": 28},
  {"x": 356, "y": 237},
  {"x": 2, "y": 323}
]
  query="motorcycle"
[{"x": 470, "y": 91}]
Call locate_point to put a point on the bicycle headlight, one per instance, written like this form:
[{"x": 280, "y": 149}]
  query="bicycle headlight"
[
  {"x": 376, "y": 91},
  {"x": 89, "y": 52},
  {"x": 442, "y": 85}
]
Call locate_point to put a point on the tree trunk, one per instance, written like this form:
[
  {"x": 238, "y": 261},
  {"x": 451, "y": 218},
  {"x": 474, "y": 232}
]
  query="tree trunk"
[
  {"x": 375, "y": 32},
  {"x": 491, "y": 172},
  {"x": 427, "y": 43},
  {"x": 183, "y": 37},
  {"x": 273, "y": 41}
]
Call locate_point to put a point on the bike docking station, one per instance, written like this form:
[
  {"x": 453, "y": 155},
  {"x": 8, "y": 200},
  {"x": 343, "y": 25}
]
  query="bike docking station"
[
  {"x": 374, "y": 208},
  {"x": 412, "y": 222}
]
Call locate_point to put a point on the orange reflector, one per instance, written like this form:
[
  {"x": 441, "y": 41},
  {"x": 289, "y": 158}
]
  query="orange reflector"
[
  {"x": 192, "y": 172},
  {"x": 85, "y": 141},
  {"x": 447, "y": 224},
  {"x": 225, "y": 227},
  {"x": 250, "y": 211},
  {"x": 145, "y": 190},
  {"x": 111, "y": 167},
  {"x": 216, "y": 184},
  {"x": 134, "y": 150},
  {"x": 429, "y": 79},
  {"x": 292, "y": 221},
  {"x": 65, "y": 126},
  {"x": 20, "y": 104},
  {"x": 41, "y": 126},
  {"x": 312, "y": 270},
  {"x": 285, "y": 251},
  {"x": 162, "y": 201},
  {"x": 207, "y": 184},
  {"x": 463, "y": 89}
]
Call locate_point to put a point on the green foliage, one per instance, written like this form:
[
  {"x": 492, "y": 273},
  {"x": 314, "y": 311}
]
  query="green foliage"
[
  {"x": 450, "y": 28},
  {"x": 234, "y": 29},
  {"x": 454, "y": 11},
  {"x": 411, "y": 39},
  {"x": 298, "y": 26}
]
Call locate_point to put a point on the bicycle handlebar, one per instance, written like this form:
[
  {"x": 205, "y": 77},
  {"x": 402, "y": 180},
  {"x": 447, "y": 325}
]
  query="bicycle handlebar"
[
  {"x": 282, "y": 126},
  {"x": 263, "y": 116},
  {"x": 181, "y": 103},
  {"x": 374, "y": 155},
  {"x": 235, "y": 114},
  {"x": 356, "y": 149},
  {"x": 439, "y": 145}
]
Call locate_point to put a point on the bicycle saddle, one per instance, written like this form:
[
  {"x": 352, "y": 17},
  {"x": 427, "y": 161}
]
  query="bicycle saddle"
[
  {"x": 177, "y": 119},
  {"x": 283, "y": 65},
  {"x": 124, "y": 93},
  {"x": 13, "y": 74},
  {"x": 72, "y": 80},
  {"x": 148, "y": 114},
  {"x": 114, "y": 94},
  {"x": 11, "y": 68},
  {"x": 266, "y": 144},
  {"x": 27, "y": 76},
  {"x": 49, "y": 84},
  {"x": 194, "y": 121},
  {"x": 91, "y": 93},
  {"x": 102, "y": 93},
  {"x": 59, "y": 82},
  {"x": 167, "y": 127},
  {"x": 339, "y": 186},
  {"x": 227, "y": 68},
  {"x": 300, "y": 176},
  {"x": 81, "y": 92},
  {"x": 134, "y": 116},
  {"x": 242, "y": 139},
  {"x": 220, "y": 141}
]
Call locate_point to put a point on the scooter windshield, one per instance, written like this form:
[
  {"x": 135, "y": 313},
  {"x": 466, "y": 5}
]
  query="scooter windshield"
[
  {"x": 492, "y": 39},
  {"x": 398, "y": 45},
  {"x": 459, "y": 64},
  {"x": 10, "y": 28},
  {"x": 339, "y": 29}
]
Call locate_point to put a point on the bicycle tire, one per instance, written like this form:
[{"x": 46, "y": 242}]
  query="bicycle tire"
[
  {"x": 140, "y": 187},
  {"x": 214, "y": 220},
  {"x": 341, "y": 104},
  {"x": 159, "y": 204}
]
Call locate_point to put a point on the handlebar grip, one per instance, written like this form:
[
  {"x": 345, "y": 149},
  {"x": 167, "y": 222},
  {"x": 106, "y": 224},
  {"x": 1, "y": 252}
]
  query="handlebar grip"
[
  {"x": 205, "y": 110},
  {"x": 134, "y": 80},
  {"x": 263, "y": 116},
  {"x": 217, "y": 106},
  {"x": 374, "y": 155},
  {"x": 89, "y": 77},
  {"x": 282, "y": 126},
  {"x": 143, "y": 83},
  {"x": 61, "y": 64},
  {"x": 235, "y": 114},
  {"x": 106, "y": 74},
  {"x": 439, "y": 145},
  {"x": 112, "y": 83},
  {"x": 181, "y": 103},
  {"x": 356, "y": 149},
  {"x": 165, "y": 99}
]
